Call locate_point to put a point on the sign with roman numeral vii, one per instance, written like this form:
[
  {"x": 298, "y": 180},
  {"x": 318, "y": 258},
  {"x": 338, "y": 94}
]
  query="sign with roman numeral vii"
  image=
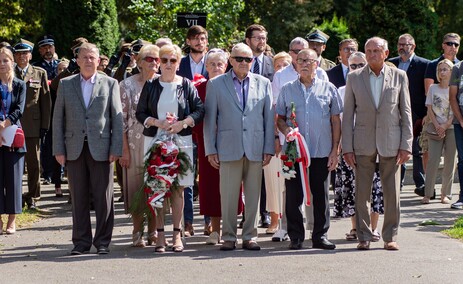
[{"x": 186, "y": 20}]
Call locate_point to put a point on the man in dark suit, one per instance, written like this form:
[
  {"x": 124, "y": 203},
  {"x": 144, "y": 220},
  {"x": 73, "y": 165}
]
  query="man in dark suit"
[
  {"x": 191, "y": 64},
  {"x": 239, "y": 140},
  {"x": 36, "y": 117},
  {"x": 87, "y": 136},
  {"x": 415, "y": 67},
  {"x": 338, "y": 74}
]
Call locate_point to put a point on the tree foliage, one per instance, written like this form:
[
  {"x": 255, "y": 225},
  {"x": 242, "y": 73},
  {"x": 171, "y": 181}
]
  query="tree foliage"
[
  {"x": 95, "y": 20},
  {"x": 155, "y": 19},
  {"x": 284, "y": 20},
  {"x": 391, "y": 18},
  {"x": 337, "y": 29}
]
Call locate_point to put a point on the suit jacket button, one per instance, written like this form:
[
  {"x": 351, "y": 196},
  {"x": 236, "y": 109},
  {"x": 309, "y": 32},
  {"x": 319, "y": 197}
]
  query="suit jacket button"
[
  {"x": 83, "y": 131},
  {"x": 244, "y": 129}
]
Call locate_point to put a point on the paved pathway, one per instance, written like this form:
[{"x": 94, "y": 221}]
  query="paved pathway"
[{"x": 40, "y": 254}]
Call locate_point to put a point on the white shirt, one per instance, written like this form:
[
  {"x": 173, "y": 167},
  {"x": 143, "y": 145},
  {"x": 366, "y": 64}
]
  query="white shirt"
[
  {"x": 196, "y": 68},
  {"x": 376, "y": 84},
  {"x": 345, "y": 70},
  {"x": 87, "y": 88}
]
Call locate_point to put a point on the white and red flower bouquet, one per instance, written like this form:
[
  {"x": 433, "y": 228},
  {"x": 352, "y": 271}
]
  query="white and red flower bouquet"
[{"x": 165, "y": 163}]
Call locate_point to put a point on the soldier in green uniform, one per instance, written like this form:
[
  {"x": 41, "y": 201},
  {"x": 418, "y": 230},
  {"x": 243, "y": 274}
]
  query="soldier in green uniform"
[{"x": 317, "y": 41}]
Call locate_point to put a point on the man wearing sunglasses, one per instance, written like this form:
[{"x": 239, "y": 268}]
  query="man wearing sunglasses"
[
  {"x": 415, "y": 67},
  {"x": 376, "y": 122},
  {"x": 239, "y": 139},
  {"x": 450, "y": 46},
  {"x": 338, "y": 74}
]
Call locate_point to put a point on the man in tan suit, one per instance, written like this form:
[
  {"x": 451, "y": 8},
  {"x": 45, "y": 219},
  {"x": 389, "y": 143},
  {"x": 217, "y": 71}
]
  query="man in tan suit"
[{"x": 377, "y": 122}]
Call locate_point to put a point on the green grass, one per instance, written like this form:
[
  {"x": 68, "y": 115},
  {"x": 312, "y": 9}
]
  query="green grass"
[
  {"x": 25, "y": 219},
  {"x": 456, "y": 232}
]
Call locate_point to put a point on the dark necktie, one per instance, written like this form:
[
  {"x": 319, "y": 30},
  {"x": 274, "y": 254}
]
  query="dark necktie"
[
  {"x": 243, "y": 95},
  {"x": 256, "y": 66}
]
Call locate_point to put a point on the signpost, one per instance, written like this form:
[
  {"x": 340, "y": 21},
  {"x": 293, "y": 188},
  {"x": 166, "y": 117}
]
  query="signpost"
[{"x": 186, "y": 20}]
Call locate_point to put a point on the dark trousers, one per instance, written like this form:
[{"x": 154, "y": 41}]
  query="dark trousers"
[
  {"x": 319, "y": 185},
  {"x": 90, "y": 178},
  {"x": 46, "y": 155},
  {"x": 33, "y": 167},
  {"x": 11, "y": 173}
]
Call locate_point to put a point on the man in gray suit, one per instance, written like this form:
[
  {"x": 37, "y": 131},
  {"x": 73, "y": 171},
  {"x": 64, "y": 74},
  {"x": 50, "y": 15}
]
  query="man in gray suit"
[
  {"x": 87, "y": 136},
  {"x": 239, "y": 139},
  {"x": 377, "y": 122}
]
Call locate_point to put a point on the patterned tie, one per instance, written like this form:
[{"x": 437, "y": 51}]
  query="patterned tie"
[{"x": 256, "y": 66}]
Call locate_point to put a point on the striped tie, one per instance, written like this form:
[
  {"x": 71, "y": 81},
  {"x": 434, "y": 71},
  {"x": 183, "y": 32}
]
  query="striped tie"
[{"x": 256, "y": 69}]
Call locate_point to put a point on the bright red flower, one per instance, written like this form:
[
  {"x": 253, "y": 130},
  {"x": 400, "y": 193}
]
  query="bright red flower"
[
  {"x": 147, "y": 190},
  {"x": 284, "y": 157},
  {"x": 288, "y": 164},
  {"x": 151, "y": 171}
]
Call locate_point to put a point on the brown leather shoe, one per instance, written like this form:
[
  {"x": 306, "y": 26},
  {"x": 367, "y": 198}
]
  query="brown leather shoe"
[
  {"x": 228, "y": 245},
  {"x": 391, "y": 246},
  {"x": 363, "y": 245},
  {"x": 189, "y": 230},
  {"x": 251, "y": 245}
]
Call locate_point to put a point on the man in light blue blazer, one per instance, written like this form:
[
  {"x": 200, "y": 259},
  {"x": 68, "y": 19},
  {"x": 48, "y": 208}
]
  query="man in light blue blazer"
[
  {"x": 87, "y": 136},
  {"x": 239, "y": 139}
]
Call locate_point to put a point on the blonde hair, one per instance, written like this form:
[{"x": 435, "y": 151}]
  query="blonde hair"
[
  {"x": 444, "y": 61},
  {"x": 171, "y": 49},
  {"x": 10, "y": 75},
  {"x": 145, "y": 50},
  {"x": 282, "y": 55}
]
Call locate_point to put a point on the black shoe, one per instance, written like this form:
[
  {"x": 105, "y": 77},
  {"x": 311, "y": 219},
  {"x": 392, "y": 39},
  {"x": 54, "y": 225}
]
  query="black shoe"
[
  {"x": 46, "y": 181},
  {"x": 31, "y": 204},
  {"x": 296, "y": 244},
  {"x": 240, "y": 225},
  {"x": 102, "y": 250},
  {"x": 434, "y": 195},
  {"x": 78, "y": 250},
  {"x": 121, "y": 199},
  {"x": 323, "y": 244},
  {"x": 265, "y": 220},
  {"x": 419, "y": 191}
]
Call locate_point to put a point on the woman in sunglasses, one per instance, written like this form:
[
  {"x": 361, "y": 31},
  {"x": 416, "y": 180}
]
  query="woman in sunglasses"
[
  {"x": 344, "y": 191},
  {"x": 132, "y": 154},
  {"x": 170, "y": 93}
]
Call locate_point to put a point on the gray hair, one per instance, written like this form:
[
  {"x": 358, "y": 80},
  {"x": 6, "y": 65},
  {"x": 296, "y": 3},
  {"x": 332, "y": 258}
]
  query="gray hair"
[
  {"x": 357, "y": 54},
  {"x": 299, "y": 40},
  {"x": 384, "y": 44},
  {"x": 216, "y": 53},
  {"x": 241, "y": 47}
]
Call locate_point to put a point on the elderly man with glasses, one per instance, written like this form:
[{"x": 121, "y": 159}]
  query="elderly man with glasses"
[{"x": 317, "y": 107}]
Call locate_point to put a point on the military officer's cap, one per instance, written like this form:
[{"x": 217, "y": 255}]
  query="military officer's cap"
[
  {"x": 23, "y": 45},
  {"x": 317, "y": 36},
  {"x": 46, "y": 40},
  {"x": 138, "y": 44}
]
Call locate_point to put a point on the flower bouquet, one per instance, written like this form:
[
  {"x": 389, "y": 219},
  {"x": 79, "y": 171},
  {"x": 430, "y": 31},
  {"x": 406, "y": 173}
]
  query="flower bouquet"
[
  {"x": 164, "y": 163},
  {"x": 296, "y": 152}
]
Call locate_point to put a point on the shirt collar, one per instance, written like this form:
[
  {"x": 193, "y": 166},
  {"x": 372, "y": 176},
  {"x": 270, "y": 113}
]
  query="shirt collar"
[
  {"x": 373, "y": 73},
  {"x": 91, "y": 80},
  {"x": 344, "y": 68},
  {"x": 200, "y": 61},
  {"x": 409, "y": 59},
  {"x": 236, "y": 77}
]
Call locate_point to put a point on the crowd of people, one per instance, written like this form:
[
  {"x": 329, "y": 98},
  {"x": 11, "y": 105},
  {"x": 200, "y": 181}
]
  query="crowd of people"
[{"x": 362, "y": 119}]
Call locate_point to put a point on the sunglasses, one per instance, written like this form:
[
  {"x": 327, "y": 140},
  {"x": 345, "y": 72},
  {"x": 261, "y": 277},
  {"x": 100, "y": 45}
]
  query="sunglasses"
[
  {"x": 150, "y": 59},
  {"x": 241, "y": 59},
  {"x": 355, "y": 66},
  {"x": 296, "y": 51},
  {"x": 165, "y": 60},
  {"x": 449, "y": 43}
]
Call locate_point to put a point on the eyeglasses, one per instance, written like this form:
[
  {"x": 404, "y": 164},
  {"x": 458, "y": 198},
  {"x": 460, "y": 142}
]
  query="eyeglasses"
[
  {"x": 349, "y": 49},
  {"x": 355, "y": 66},
  {"x": 240, "y": 59},
  {"x": 404, "y": 44},
  {"x": 165, "y": 60},
  {"x": 150, "y": 59},
  {"x": 260, "y": 38},
  {"x": 449, "y": 43},
  {"x": 296, "y": 51},
  {"x": 302, "y": 61}
]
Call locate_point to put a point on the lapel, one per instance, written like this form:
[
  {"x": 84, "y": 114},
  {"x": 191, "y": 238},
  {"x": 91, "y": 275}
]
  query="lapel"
[
  {"x": 29, "y": 74},
  {"x": 411, "y": 67},
  {"x": 386, "y": 82},
  {"x": 96, "y": 89},
  {"x": 78, "y": 89},
  {"x": 231, "y": 89},
  {"x": 251, "y": 90},
  {"x": 366, "y": 81}
]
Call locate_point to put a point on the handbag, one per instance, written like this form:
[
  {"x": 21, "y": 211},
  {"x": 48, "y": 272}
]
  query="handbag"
[
  {"x": 19, "y": 139},
  {"x": 432, "y": 132}
]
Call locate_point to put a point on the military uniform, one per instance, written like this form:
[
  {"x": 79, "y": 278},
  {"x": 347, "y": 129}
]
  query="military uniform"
[
  {"x": 317, "y": 36},
  {"x": 35, "y": 119},
  {"x": 326, "y": 64},
  {"x": 50, "y": 67}
]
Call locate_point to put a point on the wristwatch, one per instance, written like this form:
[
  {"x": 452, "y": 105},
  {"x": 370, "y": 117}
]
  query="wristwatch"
[{"x": 185, "y": 126}]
